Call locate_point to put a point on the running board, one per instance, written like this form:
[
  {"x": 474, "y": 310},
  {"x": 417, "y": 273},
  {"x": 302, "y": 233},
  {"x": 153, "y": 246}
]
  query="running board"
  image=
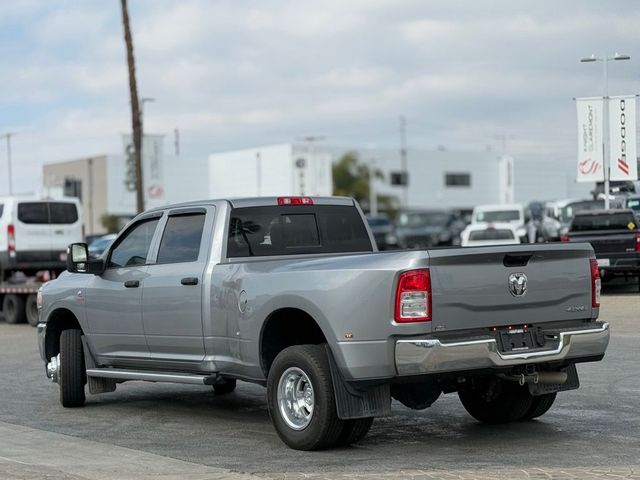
[{"x": 154, "y": 376}]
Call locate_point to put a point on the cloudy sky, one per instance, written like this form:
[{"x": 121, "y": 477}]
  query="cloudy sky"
[{"x": 239, "y": 73}]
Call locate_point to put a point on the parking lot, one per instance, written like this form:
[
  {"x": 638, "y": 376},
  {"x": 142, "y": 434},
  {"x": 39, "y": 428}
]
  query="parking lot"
[{"x": 177, "y": 431}]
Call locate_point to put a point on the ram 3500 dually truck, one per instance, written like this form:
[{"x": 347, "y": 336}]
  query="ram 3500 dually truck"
[{"x": 291, "y": 293}]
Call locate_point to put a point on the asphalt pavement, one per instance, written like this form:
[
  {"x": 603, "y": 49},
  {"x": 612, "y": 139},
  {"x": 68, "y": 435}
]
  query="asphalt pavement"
[{"x": 146, "y": 430}]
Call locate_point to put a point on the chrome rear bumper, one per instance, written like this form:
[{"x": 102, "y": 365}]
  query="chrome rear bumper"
[{"x": 431, "y": 355}]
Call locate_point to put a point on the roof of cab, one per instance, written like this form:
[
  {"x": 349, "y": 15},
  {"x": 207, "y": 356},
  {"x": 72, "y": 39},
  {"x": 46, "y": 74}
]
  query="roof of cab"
[{"x": 256, "y": 202}]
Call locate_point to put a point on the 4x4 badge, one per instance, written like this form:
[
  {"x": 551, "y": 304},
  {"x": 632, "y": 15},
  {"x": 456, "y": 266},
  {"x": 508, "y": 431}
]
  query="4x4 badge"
[{"x": 518, "y": 284}]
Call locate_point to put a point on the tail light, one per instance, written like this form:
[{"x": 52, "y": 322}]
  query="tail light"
[
  {"x": 595, "y": 283},
  {"x": 11, "y": 240},
  {"x": 295, "y": 201},
  {"x": 413, "y": 297},
  {"x": 564, "y": 238},
  {"x": 637, "y": 242}
]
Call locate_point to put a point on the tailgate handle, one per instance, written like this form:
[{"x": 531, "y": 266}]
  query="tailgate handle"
[{"x": 516, "y": 259}]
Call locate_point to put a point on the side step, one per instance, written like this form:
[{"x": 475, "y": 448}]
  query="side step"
[{"x": 120, "y": 374}]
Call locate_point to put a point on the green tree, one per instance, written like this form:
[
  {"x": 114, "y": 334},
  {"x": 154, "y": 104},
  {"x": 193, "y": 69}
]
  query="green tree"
[
  {"x": 351, "y": 179},
  {"x": 111, "y": 223}
]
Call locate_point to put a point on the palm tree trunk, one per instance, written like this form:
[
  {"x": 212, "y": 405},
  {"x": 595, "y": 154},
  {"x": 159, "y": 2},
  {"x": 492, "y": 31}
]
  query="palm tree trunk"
[{"x": 136, "y": 120}]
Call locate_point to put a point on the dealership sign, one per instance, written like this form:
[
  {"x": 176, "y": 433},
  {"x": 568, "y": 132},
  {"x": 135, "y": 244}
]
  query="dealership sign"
[
  {"x": 590, "y": 153},
  {"x": 152, "y": 168},
  {"x": 622, "y": 138}
]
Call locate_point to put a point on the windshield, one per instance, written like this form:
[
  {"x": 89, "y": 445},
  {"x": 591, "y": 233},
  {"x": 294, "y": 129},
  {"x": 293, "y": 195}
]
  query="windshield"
[
  {"x": 498, "y": 216},
  {"x": 632, "y": 203},
  {"x": 491, "y": 234},
  {"x": 378, "y": 222},
  {"x": 423, "y": 219},
  {"x": 569, "y": 211},
  {"x": 605, "y": 221}
]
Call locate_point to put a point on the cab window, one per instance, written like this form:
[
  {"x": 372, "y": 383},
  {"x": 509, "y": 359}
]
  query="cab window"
[
  {"x": 132, "y": 249},
  {"x": 181, "y": 239}
]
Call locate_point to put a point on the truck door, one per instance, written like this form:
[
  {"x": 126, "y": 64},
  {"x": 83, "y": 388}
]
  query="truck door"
[
  {"x": 172, "y": 293},
  {"x": 114, "y": 299}
]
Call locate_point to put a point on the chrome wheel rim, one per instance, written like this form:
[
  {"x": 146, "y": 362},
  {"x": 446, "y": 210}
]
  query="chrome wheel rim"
[{"x": 295, "y": 398}]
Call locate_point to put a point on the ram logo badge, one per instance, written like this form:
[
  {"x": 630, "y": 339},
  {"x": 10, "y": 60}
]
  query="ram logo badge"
[{"x": 518, "y": 284}]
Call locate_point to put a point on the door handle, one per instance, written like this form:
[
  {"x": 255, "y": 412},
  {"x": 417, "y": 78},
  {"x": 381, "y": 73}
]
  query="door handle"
[
  {"x": 189, "y": 281},
  {"x": 132, "y": 283}
]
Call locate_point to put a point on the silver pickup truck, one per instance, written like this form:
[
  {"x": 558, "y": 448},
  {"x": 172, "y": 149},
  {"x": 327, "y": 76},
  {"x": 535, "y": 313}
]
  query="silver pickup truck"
[{"x": 290, "y": 293}]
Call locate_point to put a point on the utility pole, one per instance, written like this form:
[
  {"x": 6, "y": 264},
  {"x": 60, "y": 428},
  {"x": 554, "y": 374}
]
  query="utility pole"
[
  {"x": 313, "y": 165},
  {"x": 8, "y": 137},
  {"x": 136, "y": 120},
  {"x": 373, "y": 197},
  {"x": 403, "y": 160}
]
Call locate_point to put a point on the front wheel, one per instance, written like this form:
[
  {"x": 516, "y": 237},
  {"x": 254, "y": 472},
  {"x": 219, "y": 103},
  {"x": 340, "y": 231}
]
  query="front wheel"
[
  {"x": 493, "y": 400},
  {"x": 301, "y": 399},
  {"x": 72, "y": 376}
]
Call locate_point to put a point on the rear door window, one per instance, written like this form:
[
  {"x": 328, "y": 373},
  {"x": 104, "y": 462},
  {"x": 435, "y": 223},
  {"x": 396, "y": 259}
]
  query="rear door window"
[
  {"x": 181, "y": 239},
  {"x": 491, "y": 234},
  {"x": 46, "y": 213},
  {"x": 63, "y": 213},
  {"x": 282, "y": 230},
  {"x": 33, "y": 213}
]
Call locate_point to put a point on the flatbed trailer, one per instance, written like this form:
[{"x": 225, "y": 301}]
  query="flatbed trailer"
[{"x": 18, "y": 301}]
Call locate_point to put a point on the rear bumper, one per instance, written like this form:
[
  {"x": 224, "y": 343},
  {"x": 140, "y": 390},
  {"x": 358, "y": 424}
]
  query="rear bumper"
[
  {"x": 430, "y": 355},
  {"x": 628, "y": 263}
]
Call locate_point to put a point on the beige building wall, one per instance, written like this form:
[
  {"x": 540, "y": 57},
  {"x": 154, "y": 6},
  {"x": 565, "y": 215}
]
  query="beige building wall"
[{"x": 92, "y": 173}]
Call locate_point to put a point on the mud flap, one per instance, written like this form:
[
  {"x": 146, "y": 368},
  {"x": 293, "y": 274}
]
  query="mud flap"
[
  {"x": 572, "y": 383},
  {"x": 96, "y": 385},
  {"x": 352, "y": 402}
]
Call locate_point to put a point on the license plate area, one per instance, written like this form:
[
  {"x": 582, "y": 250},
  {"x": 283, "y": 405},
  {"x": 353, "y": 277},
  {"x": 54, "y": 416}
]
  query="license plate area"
[{"x": 517, "y": 339}]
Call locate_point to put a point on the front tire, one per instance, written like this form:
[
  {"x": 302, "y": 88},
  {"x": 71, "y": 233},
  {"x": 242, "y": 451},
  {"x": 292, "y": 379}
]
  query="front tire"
[
  {"x": 492, "y": 400},
  {"x": 225, "y": 388},
  {"x": 73, "y": 375},
  {"x": 301, "y": 399}
]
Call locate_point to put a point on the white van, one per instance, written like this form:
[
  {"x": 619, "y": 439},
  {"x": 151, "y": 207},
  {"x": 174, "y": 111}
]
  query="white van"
[{"x": 35, "y": 233}]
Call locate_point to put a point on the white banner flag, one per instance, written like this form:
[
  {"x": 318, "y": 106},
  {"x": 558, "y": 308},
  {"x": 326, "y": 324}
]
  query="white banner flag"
[
  {"x": 152, "y": 168},
  {"x": 590, "y": 153},
  {"x": 622, "y": 138}
]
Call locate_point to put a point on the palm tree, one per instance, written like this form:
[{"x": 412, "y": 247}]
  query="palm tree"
[{"x": 136, "y": 121}]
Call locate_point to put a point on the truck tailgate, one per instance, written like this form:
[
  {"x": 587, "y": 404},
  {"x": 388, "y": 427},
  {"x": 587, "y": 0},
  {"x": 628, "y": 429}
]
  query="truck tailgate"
[
  {"x": 471, "y": 286},
  {"x": 604, "y": 243}
]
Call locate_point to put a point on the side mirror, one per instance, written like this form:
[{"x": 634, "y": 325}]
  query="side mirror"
[{"x": 78, "y": 258}]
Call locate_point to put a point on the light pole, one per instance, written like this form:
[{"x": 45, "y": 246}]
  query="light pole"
[
  {"x": 8, "y": 137},
  {"x": 605, "y": 118},
  {"x": 373, "y": 196}
]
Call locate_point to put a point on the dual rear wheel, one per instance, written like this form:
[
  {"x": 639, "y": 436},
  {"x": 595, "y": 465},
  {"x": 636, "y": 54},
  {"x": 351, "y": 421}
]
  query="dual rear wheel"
[
  {"x": 302, "y": 404},
  {"x": 493, "y": 400}
]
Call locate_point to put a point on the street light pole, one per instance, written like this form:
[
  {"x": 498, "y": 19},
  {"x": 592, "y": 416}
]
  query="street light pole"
[
  {"x": 605, "y": 120},
  {"x": 8, "y": 137}
]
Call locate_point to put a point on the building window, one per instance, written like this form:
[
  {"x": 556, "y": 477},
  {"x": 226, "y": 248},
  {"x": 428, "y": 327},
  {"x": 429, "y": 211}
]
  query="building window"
[{"x": 457, "y": 179}]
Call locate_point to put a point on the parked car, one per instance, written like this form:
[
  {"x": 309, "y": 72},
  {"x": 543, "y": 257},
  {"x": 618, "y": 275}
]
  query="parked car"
[
  {"x": 428, "y": 228},
  {"x": 567, "y": 209},
  {"x": 289, "y": 293},
  {"x": 633, "y": 203},
  {"x": 615, "y": 237},
  {"x": 383, "y": 232},
  {"x": 35, "y": 233},
  {"x": 100, "y": 244},
  {"x": 512, "y": 213},
  {"x": 482, "y": 234}
]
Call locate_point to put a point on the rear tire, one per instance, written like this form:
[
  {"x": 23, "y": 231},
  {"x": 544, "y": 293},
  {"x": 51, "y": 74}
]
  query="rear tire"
[
  {"x": 354, "y": 431},
  {"x": 13, "y": 309},
  {"x": 540, "y": 405},
  {"x": 301, "y": 399},
  {"x": 72, "y": 376},
  {"x": 226, "y": 387},
  {"x": 31, "y": 310},
  {"x": 492, "y": 400}
]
